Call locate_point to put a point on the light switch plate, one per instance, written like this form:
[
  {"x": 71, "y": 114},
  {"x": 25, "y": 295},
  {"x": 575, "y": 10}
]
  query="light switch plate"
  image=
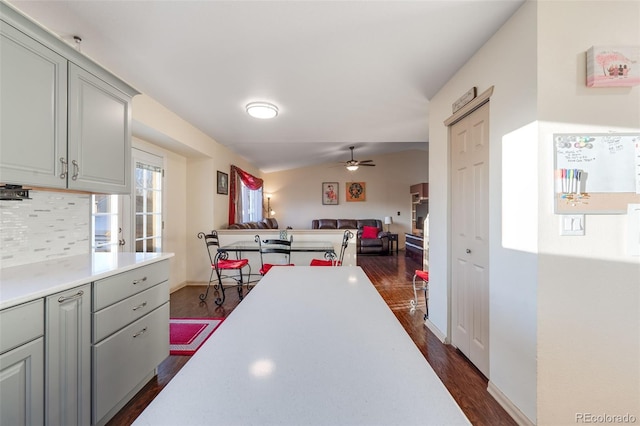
[{"x": 572, "y": 224}]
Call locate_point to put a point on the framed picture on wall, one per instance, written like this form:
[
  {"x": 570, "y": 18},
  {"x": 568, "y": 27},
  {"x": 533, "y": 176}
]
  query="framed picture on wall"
[
  {"x": 223, "y": 183},
  {"x": 356, "y": 191},
  {"x": 330, "y": 193}
]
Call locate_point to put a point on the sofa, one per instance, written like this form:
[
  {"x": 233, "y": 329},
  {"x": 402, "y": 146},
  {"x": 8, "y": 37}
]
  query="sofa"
[
  {"x": 368, "y": 240},
  {"x": 266, "y": 223}
]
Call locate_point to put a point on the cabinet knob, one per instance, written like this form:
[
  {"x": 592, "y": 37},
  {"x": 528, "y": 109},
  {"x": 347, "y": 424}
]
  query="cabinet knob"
[{"x": 468, "y": 251}]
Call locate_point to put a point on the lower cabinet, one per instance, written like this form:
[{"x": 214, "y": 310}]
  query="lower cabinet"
[
  {"x": 130, "y": 335},
  {"x": 68, "y": 357},
  {"x": 77, "y": 357},
  {"x": 22, "y": 364}
]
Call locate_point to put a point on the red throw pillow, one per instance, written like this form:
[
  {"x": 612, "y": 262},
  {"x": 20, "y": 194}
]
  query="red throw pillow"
[{"x": 369, "y": 232}]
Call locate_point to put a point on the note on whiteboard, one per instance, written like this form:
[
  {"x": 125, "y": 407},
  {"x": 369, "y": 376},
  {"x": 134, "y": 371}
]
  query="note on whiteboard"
[{"x": 608, "y": 161}]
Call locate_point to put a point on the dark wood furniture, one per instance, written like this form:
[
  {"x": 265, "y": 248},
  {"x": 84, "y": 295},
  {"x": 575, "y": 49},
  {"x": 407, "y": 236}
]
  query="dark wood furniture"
[
  {"x": 414, "y": 246},
  {"x": 393, "y": 240}
]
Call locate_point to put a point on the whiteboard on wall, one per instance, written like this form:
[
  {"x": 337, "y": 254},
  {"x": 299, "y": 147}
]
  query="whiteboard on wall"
[{"x": 609, "y": 164}]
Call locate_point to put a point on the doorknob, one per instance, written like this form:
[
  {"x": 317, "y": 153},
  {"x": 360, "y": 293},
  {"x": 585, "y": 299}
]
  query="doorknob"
[{"x": 468, "y": 251}]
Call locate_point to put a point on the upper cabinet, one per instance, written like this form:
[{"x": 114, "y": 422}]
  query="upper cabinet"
[{"x": 66, "y": 122}]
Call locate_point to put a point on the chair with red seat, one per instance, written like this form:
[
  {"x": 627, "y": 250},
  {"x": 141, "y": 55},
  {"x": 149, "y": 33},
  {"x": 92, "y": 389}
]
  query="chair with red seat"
[
  {"x": 424, "y": 276},
  {"x": 222, "y": 266},
  {"x": 331, "y": 259},
  {"x": 274, "y": 249}
]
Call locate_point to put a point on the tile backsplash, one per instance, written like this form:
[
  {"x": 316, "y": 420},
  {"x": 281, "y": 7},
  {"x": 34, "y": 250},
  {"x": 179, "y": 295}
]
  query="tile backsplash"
[{"x": 50, "y": 225}]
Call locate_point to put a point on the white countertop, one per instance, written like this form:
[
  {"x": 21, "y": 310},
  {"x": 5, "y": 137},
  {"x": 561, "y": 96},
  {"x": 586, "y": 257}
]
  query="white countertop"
[
  {"x": 307, "y": 346},
  {"x": 20, "y": 284}
]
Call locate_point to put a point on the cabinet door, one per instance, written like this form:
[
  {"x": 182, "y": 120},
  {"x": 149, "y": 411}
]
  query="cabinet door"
[
  {"x": 123, "y": 360},
  {"x": 33, "y": 111},
  {"x": 22, "y": 385},
  {"x": 99, "y": 134},
  {"x": 68, "y": 357}
]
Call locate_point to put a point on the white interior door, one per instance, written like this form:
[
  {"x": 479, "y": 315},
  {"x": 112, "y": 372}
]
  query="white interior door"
[{"x": 469, "y": 233}]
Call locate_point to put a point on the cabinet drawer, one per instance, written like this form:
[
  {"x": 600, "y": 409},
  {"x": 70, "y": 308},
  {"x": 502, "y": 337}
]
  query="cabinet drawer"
[
  {"x": 123, "y": 360},
  {"x": 118, "y": 287},
  {"x": 116, "y": 316},
  {"x": 21, "y": 324}
]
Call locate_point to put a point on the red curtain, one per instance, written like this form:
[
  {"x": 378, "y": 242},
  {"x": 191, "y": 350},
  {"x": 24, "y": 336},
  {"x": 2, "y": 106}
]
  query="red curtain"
[{"x": 250, "y": 182}]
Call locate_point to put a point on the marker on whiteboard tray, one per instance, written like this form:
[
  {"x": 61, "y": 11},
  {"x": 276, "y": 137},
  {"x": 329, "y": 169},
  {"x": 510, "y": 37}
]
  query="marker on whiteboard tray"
[{"x": 570, "y": 188}]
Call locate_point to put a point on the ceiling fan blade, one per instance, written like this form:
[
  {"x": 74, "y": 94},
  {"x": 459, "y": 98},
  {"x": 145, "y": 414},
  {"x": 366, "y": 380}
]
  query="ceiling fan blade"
[
  {"x": 365, "y": 161},
  {"x": 370, "y": 165}
]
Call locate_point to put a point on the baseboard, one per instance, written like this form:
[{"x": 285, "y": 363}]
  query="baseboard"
[
  {"x": 181, "y": 285},
  {"x": 431, "y": 326},
  {"x": 508, "y": 406}
]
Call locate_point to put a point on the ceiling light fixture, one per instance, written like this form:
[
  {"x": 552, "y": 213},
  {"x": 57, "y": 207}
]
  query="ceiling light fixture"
[
  {"x": 262, "y": 110},
  {"x": 352, "y": 168}
]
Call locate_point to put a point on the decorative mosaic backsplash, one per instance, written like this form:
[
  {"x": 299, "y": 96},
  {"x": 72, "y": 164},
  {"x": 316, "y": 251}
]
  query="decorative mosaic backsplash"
[{"x": 50, "y": 225}]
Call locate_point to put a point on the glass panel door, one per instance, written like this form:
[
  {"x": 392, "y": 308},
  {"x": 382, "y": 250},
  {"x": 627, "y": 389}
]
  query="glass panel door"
[
  {"x": 106, "y": 235},
  {"x": 148, "y": 202}
]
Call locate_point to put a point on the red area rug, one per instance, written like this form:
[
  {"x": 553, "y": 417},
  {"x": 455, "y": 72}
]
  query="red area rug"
[{"x": 186, "y": 335}]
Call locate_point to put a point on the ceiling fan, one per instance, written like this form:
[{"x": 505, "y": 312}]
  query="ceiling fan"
[{"x": 352, "y": 165}]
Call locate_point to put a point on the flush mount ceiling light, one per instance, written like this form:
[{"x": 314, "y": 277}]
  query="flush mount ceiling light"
[{"x": 262, "y": 110}]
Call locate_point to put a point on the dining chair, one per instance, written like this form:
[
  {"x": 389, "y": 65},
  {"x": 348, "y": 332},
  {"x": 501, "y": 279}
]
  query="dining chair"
[
  {"x": 424, "y": 276},
  {"x": 222, "y": 267},
  {"x": 272, "y": 249},
  {"x": 330, "y": 258}
]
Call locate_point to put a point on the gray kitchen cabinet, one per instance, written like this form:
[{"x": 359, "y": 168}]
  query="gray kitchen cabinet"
[
  {"x": 68, "y": 357},
  {"x": 22, "y": 364},
  {"x": 130, "y": 335},
  {"x": 66, "y": 121},
  {"x": 33, "y": 111}
]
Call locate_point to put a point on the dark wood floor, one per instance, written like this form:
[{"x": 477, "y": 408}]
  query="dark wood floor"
[{"x": 392, "y": 276}]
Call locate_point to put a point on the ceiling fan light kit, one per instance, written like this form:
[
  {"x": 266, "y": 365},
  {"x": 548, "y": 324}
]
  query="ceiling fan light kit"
[
  {"x": 262, "y": 110},
  {"x": 352, "y": 165}
]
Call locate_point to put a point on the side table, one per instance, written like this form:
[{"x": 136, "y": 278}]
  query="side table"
[{"x": 393, "y": 239}]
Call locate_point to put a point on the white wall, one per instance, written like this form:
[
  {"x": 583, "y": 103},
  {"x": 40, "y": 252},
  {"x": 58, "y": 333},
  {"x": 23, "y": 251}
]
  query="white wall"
[
  {"x": 589, "y": 288},
  {"x": 297, "y": 194},
  {"x": 508, "y": 62}
]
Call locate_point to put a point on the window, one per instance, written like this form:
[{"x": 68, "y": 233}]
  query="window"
[
  {"x": 251, "y": 204},
  {"x": 148, "y": 202},
  {"x": 245, "y": 197}
]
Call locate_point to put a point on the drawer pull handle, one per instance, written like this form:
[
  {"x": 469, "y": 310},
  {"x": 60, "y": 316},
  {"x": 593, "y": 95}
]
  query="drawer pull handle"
[
  {"x": 65, "y": 169},
  {"x": 141, "y": 280},
  {"x": 141, "y": 332},
  {"x": 63, "y": 299},
  {"x": 76, "y": 170},
  {"x": 140, "y": 306}
]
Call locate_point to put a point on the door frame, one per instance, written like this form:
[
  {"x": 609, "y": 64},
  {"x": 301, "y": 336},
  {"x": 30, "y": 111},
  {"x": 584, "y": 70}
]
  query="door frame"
[{"x": 463, "y": 112}]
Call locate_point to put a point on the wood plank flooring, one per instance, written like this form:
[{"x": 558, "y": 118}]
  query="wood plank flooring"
[{"x": 392, "y": 276}]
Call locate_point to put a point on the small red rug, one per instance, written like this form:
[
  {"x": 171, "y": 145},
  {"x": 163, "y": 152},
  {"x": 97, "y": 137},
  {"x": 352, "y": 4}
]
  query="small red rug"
[{"x": 186, "y": 335}]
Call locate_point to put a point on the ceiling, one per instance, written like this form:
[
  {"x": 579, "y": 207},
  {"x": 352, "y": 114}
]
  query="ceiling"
[{"x": 342, "y": 73}]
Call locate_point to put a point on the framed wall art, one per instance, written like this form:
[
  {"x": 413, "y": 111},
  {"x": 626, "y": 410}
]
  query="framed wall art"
[
  {"x": 223, "y": 183},
  {"x": 613, "y": 66},
  {"x": 330, "y": 193},
  {"x": 356, "y": 191}
]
